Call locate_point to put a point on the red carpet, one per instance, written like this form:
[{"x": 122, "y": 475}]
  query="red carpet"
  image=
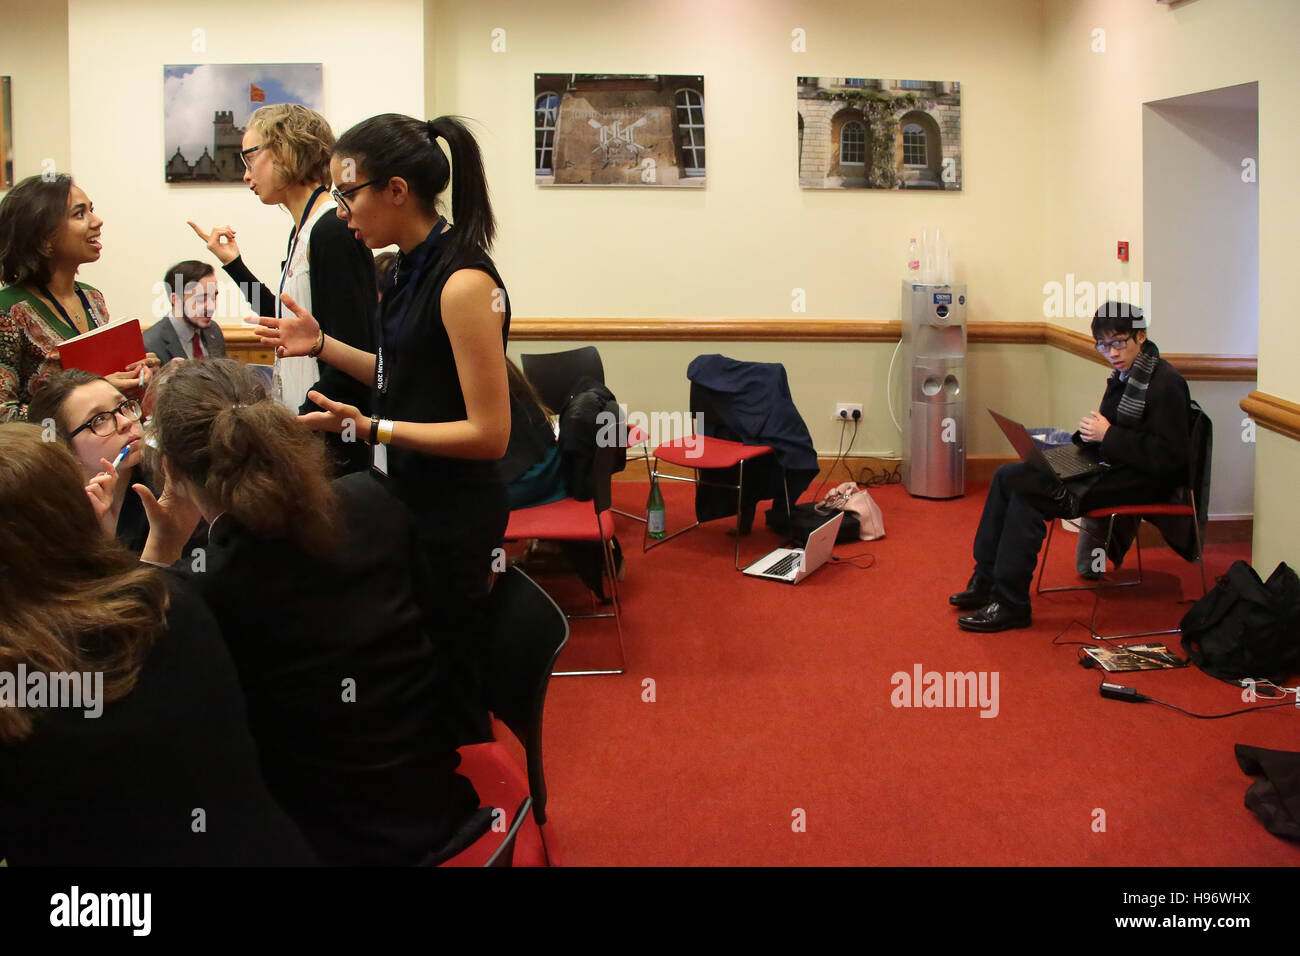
[{"x": 772, "y": 704}]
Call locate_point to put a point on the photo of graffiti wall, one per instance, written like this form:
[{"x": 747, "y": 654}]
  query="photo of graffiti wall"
[
  {"x": 618, "y": 129},
  {"x": 878, "y": 134}
]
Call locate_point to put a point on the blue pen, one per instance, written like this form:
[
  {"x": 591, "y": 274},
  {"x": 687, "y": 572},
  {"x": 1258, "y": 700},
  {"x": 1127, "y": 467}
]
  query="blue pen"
[{"x": 121, "y": 457}]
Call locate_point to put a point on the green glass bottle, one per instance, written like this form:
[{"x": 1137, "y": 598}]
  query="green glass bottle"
[{"x": 655, "y": 516}]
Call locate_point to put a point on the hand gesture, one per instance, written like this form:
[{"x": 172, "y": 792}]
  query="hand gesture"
[
  {"x": 220, "y": 242},
  {"x": 335, "y": 416},
  {"x": 1093, "y": 427},
  {"x": 172, "y": 519},
  {"x": 289, "y": 335},
  {"x": 100, "y": 492},
  {"x": 129, "y": 380}
]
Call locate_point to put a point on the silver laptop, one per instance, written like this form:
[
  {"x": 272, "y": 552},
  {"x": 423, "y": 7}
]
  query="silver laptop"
[
  {"x": 1064, "y": 461},
  {"x": 792, "y": 565}
]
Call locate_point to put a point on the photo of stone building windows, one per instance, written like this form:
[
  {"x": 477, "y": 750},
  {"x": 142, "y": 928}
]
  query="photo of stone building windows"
[
  {"x": 878, "y": 134},
  {"x": 206, "y": 107},
  {"x": 618, "y": 129}
]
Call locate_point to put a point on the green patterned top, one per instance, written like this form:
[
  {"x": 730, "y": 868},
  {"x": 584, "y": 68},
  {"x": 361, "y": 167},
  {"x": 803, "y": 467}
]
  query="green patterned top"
[{"x": 30, "y": 334}]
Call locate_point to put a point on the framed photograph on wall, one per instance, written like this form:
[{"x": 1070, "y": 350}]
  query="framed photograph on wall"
[
  {"x": 6, "y": 134},
  {"x": 206, "y": 107},
  {"x": 618, "y": 129},
  {"x": 878, "y": 134}
]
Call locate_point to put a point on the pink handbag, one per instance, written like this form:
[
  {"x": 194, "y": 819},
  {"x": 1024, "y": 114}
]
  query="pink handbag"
[{"x": 849, "y": 497}]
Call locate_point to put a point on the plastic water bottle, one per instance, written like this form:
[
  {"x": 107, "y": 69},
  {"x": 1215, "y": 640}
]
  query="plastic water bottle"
[
  {"x": 656, "y": 517},
  {"x": 913, "y": 261}
]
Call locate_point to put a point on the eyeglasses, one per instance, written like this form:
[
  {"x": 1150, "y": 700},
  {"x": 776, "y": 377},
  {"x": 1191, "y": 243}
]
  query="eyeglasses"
[
  {"x": 1117, "y": 343},
  {"x": 341, "y": 196},
  {"x": 244, "y": 154},
  {"x": 105, "y": 423}
]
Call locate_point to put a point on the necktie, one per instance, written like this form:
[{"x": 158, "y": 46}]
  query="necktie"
[{"x": 197, "y": 346}]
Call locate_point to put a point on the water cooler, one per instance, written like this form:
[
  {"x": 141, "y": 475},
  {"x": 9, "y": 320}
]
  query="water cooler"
[{"x": 934, "y": 372}]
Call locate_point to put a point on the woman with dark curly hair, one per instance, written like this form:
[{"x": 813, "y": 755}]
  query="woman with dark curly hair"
[{"x": 48, "y": 230}]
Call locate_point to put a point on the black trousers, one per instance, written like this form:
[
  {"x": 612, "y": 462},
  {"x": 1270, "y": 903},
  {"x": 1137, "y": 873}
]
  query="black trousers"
[{"x": 1021, "y": 500}]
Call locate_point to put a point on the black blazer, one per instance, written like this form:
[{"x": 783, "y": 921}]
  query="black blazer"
[
  {"x": 161, "y": 339},
  {"x": 122, "y": 789},
  {"x": 347, "y": 688}
]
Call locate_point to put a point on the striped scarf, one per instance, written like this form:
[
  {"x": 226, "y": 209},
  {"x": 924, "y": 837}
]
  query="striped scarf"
[{"x": 1133, "y": 403}]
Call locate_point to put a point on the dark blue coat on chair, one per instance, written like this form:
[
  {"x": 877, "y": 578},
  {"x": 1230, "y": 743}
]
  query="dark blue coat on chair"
[{"x": 750, "y": 402}]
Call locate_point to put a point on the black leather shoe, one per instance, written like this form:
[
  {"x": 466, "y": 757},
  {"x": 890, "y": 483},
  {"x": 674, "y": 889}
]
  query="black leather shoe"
[
  {"x": 976, "y": 595},
  {"x": 996, "y": 617}
]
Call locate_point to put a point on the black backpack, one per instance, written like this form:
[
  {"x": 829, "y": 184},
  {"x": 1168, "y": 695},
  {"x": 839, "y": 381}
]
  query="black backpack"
[{"x": 1246, "y": 627}]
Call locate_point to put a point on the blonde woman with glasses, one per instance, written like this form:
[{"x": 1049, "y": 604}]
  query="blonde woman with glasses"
[{"x": 286, "y": 155}]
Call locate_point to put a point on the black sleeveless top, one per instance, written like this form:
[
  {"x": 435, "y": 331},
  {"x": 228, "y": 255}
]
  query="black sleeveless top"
[{"x": 416, "y": 378}]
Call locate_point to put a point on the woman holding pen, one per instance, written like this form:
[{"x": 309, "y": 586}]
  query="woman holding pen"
[{"x": 439, "y": 416}]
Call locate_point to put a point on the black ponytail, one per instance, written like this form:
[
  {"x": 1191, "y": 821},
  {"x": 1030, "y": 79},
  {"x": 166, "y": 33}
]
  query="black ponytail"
[{"x": 391, "y": 145}]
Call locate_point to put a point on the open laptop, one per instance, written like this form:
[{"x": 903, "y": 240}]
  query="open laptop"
[
  {"x": 1065, "y": 461},
  {"x": 792, "y": 565}
]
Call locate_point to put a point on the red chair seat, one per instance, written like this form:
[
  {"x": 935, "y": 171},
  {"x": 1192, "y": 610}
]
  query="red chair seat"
[
  {"x": 1170, "y": 509},
  {"x": 703, "y": 452},
  {"x": 636, "y": 436},
  {"x": 501, "y": 784},
  {"x": 565, "y": 520}
]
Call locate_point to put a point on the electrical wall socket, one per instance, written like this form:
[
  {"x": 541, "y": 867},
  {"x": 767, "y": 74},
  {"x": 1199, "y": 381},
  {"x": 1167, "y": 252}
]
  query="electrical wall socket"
[{"x": 847, "y": 412}]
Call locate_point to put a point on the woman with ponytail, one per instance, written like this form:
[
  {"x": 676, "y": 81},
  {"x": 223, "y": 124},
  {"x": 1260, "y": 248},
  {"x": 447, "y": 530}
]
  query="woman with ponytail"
[
  {"x": 439, "y": 416},
  {"x": 316, "y": 586}
]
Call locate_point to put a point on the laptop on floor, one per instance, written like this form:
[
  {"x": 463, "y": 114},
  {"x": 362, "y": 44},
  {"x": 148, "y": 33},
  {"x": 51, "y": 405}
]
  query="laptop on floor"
[
  {"x": 792, "y": 565},
  {"x": 1064, "y": 461}
]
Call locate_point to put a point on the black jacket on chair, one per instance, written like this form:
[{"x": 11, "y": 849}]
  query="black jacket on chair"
[{"x": 750, "y": 402}]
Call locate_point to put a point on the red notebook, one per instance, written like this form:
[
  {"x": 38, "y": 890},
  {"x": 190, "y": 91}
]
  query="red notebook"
[{"x": 107, "y": 349}]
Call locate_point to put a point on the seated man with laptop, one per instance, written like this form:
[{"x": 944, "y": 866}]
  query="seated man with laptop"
[{"x": 1139, "y": 441}]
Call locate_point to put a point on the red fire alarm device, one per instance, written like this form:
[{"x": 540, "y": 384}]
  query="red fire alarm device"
[{"x": 1123, "y": 251}]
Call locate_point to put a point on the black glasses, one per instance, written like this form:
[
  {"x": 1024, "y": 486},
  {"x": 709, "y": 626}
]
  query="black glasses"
[
  {"x": 105, "y": 423},
  {"x": 341, "y": 196},
  {"x": 245, "y": 153},
  {"x": 1115, "y": 343}
]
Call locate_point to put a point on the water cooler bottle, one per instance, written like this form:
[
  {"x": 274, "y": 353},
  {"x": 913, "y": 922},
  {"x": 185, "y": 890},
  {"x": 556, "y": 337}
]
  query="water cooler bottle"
[{"x": 934, "y": 371}]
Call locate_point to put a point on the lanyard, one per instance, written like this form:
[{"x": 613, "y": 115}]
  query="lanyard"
[
  {"x": 293, "y": 245},
  {"x": 91, "y": 321},
  {"x": 390, "y": 306}
]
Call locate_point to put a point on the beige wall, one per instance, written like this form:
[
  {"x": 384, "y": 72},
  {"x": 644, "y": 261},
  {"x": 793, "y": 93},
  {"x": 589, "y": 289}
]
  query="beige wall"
[
  {"x": 740, "y": 246},
  {"x": 117, "y": 129},
  {"x": 34, "y": 52}
]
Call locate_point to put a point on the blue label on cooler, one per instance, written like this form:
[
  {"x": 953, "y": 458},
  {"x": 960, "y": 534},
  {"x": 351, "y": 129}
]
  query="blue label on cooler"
[{"x": 943, "y": 298}]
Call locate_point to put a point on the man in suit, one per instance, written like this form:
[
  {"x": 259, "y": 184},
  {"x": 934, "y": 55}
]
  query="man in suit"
[{"x": 188, "y": 332}]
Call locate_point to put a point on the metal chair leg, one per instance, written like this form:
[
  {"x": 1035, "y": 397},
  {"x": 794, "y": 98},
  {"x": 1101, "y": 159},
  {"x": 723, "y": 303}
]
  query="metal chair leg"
[
  {"x": 1096, "y": 600},
  {"x": 627, "y": 514},
  {"x": 607, "y": 548},
  {"x": 1042, "y": 565}
]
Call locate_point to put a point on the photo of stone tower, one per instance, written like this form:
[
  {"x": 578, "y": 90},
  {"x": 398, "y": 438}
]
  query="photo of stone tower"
[{"x": 206, "y": 109}]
